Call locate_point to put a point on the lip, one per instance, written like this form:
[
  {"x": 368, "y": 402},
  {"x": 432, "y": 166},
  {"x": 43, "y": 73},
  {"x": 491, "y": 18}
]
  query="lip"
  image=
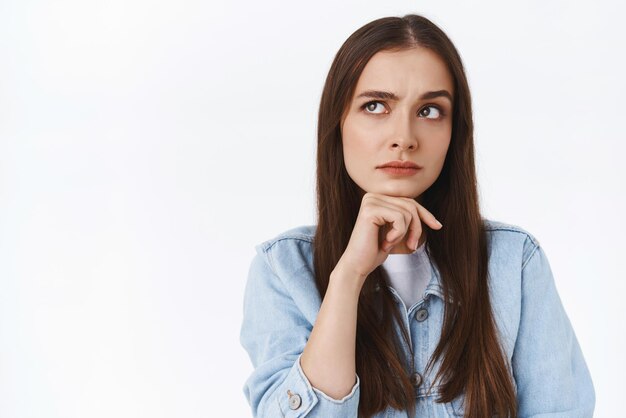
[
  {"x": 400, "y": 164},
  {"x": 400, "y": 171}
]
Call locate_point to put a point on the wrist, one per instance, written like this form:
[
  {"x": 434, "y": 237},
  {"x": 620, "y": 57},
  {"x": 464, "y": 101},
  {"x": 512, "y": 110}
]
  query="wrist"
[{"x": 347, "y": 279}]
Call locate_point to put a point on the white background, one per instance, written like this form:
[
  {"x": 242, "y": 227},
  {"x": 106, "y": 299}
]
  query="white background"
[{"x": 147, "y": 146}]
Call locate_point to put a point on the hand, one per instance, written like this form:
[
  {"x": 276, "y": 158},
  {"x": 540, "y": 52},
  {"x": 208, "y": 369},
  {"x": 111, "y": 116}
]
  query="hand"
[{"x": 371, "y": 241}]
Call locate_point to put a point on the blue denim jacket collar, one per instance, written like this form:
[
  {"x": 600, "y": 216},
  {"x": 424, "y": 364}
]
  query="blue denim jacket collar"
[{"x": 435, "y": 287}]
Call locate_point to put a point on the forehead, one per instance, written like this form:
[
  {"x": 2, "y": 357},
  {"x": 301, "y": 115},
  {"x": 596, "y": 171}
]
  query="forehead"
[{"x": 407, "y": 72}]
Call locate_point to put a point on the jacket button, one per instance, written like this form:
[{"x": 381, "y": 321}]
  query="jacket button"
[
  {"x": 421, "y": 314},
  {"x": 294, "y": 400},
  {"x": 416, "y": 379}
]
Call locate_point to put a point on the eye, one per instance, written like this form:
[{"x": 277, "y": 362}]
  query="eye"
[
  {"x": 438, "y": 114},
  {"x": 426, "y": 112},
  {"x": 369, "y": 107}
]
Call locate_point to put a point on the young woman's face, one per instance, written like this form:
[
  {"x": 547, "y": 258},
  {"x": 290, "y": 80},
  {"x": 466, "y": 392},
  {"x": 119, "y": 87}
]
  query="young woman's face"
[{"x": 378, "y": 129}]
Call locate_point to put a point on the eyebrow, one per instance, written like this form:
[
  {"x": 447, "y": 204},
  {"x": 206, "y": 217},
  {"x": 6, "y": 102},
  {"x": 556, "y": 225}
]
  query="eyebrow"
[{"x": 377, "y": 94}]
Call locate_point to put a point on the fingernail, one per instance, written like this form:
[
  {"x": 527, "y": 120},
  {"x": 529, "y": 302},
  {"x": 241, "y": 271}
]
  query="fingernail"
[{"x": 438, "y": 223}]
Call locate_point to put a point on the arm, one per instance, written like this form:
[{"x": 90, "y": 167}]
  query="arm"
[
  {"x": 329, "y": 356},
  {"x": 551, "y": 375},
  {"x": 274, "y": 332}
]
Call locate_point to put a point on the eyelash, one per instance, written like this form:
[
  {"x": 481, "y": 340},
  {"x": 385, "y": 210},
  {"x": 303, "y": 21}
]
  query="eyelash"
[{"x": 442, "y": 113}]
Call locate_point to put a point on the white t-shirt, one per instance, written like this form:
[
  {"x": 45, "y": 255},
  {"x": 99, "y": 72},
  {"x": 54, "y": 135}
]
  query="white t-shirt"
[{"x": 409, "y": 274}]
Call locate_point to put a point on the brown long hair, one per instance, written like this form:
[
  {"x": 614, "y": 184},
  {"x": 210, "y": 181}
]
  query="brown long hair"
[{"x": 473, "y": 364}]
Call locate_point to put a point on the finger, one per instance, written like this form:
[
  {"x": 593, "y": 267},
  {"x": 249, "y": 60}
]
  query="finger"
[
  {"x": 412, "y": 219},
  {"x": 408, "y": 212},
  {"x": 415, "y": 231},
  {"x": 397, "y": 223},
  {"x": 426, "y": 216},
  {"x": 415, "y": 226}
]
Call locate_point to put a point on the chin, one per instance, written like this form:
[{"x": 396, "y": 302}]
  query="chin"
[{"x": 400, "y": 192}]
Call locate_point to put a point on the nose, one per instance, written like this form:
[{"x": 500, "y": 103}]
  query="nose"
[
  {"x": 404, "y": 144},
  {"x": 403, "y": 136}
]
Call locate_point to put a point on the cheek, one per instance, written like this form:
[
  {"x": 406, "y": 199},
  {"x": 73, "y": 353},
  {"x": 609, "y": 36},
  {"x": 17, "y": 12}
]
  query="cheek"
[
  {"x": 356, "y": 143},
  {"x": 357, "y": 157},
  {"x": 439, "y": 157},
  {"x": 437, "y": 141},
  {"x": 358, "y": 153},
  {"x": 352, "y": 153}
]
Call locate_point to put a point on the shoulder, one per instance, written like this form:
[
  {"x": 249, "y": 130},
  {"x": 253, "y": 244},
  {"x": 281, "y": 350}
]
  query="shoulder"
[
  {"x": 500, "y": 227},
  {"x": 510, "y": 239},
  {"x": 287, "y": 268},
  {"x": 288, "y": 250},
  {"x": 511, "y": 249},
  {"x": 290, "y": 236},
  {"x": 503, "y": 238}
]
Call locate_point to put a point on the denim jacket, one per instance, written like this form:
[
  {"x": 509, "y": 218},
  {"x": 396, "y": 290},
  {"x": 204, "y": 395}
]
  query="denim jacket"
[{"x": 281, "y": 303}]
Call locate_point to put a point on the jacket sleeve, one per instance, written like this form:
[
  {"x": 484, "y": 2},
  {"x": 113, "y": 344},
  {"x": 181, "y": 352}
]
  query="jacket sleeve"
[
  {"x": 274, "y": 333},
  {"x": 550, "y": 372}
]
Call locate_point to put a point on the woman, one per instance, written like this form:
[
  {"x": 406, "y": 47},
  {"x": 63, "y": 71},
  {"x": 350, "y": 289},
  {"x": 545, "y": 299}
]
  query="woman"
[{"x": 379, "y": 310}]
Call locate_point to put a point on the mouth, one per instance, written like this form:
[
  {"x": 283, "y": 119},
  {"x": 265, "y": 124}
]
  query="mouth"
[
  {"x": 400, "y": 164},
  {"x": 400, "y": 171}
]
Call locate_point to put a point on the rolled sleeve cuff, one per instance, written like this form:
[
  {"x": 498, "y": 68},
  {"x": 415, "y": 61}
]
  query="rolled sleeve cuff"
[{"x": 311, "y": 402}]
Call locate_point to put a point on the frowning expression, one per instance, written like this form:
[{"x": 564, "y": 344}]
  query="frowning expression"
[{"x": 401, "y": 110}]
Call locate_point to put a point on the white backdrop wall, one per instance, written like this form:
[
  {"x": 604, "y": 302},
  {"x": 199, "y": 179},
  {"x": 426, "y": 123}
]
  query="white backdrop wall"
[{"x": 147, "y": 146}]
